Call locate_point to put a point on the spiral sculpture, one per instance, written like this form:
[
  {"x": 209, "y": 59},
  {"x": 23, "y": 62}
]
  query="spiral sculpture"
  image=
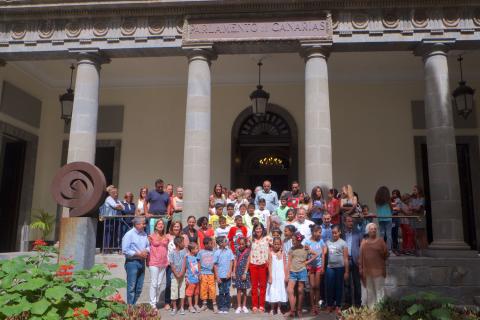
[{"x": 79, "y": 186}]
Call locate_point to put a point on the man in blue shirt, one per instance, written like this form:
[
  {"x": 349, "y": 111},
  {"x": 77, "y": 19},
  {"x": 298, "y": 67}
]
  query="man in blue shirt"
[
  {"x": 353, "y": 238},
  {"x": 158, "y": 201},
  {"x": 135, "y": 247},
  {"x": 326, "y": 227},
  {"x": 270, "y": 196}
]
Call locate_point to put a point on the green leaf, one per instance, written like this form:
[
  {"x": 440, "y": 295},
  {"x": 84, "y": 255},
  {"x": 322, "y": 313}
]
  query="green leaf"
[
  {"x": 7, "y": 282},
  {"x": 52, "y": 314},
  {"x": 6, "y": 298},
  {"x": 33, "y": 284},
  {"x": 39, "y": 307},
  {"x": 117, "y": 283},
  {"x": 56, "y": 293},
  {"x": 82, "y": 283},
  {"x": 405, "y": 317},
  {"x": 91, "y": 307},
  {"x": 11, "y": 311},
  {"x": 441, "y": 314},
  {"x": 103, "y": 313},
  {"x": 96, "y": 282},
  {"x": 107, "y": 292},
  {"x": 413, "y": 309}
]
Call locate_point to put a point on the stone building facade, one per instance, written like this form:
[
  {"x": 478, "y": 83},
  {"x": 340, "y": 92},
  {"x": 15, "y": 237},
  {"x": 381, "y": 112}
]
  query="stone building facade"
[{"x": 163, "y": 112}]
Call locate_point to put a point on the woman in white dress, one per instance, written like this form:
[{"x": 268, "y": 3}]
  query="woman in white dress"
[{"x": 276, "y": 292}]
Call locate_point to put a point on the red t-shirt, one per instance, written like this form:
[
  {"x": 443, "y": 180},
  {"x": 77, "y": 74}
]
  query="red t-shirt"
[
  {"x": 293, "y": 201},
  {"x": 234, "y": 234},
  {"x": 332, "y": 206},
  {"x": 202, "y": 234}
]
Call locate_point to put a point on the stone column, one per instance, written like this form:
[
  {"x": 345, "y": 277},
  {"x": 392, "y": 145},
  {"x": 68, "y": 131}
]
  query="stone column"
[
  {"x": 78, "y": 234},
  {"x": 83, "y": 127},
  {"x": 318, "y": 138},
  {"x": 196, "y": 156},
  {"x": 442, "y": 154}
]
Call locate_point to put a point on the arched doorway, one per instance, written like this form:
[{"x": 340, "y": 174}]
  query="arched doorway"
[{"x": 264, "y": 147}]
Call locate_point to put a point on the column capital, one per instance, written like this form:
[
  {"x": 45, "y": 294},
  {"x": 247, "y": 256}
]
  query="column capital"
[
  {"x": 431, "y": 47},
  {"x": 94, "y": 56},
  {"x": 311, "y": 49},
  {"x": 203, "y": 51}
]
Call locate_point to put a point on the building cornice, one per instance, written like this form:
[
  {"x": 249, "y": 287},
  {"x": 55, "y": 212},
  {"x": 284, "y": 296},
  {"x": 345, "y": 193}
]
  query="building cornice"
[
  {"x": 149, "y": 33},
  {"x": 24, "y": 9}
]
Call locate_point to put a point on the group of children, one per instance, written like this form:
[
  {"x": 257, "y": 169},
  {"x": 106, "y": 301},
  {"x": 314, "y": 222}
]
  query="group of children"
[{"x": 223, "y": 256}]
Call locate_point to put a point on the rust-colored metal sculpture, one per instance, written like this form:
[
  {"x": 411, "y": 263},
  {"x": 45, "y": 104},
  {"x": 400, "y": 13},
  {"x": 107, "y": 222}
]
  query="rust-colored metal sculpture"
[{"x": 79, "y": 186}]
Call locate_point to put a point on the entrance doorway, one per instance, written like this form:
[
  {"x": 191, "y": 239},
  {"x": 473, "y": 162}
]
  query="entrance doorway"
[
  {"x": 12, "y": 163},
  {"x": 467, "y": 158},
  {"x": 264, "y": 147}
]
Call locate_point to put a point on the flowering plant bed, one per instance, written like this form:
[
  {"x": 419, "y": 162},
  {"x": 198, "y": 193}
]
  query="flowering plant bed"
[
  {"x": 419, "y": 306},
  {"x": 43, "y": 286}
]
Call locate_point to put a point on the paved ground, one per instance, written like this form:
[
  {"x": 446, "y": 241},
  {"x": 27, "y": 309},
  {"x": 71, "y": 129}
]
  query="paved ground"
[{"x": 210, "y": 315}]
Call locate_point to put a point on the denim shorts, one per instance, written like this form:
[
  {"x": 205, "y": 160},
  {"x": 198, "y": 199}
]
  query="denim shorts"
[{"x": 299, "y": 276}]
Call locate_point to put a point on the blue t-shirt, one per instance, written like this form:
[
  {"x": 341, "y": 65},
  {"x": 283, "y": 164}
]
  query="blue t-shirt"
[
  {"x": 382, "y": 211},
  {"x": 206, "y": 261},
  {"x": 317, "y": 209},
  {"x": 158, "y": 202},
  {"x": 176, "y": 259},
  {"x": 316, "y": 246},
  {"x": 222, "y": 258},
  {"x": 192, "y": 269}
]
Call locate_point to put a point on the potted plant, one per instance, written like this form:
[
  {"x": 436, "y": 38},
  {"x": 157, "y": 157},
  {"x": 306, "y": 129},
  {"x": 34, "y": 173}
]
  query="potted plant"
[{"x": 43, "y": 221}]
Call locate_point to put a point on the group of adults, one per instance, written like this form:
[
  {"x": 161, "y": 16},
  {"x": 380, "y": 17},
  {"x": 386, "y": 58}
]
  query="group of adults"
[{"x": 367, "y": 244}]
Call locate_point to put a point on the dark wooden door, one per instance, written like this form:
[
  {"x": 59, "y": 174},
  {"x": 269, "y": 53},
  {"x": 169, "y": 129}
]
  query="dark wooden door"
[
  {"x": 466, "y": 193},
  {"x": 12, "y": 165}
]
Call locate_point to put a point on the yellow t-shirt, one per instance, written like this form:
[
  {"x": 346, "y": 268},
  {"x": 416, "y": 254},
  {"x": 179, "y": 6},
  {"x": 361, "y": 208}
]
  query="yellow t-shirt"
[
  {"x": 230, "y": 220},
  {"x": 213, "y": 221}
]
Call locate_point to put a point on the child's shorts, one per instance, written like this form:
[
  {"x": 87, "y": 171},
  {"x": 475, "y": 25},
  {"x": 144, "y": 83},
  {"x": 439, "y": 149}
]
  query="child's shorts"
[
  {"x": 313, "y": 270},
  {"x": 193, "y": 289},
  {"x": 299, "y": 276},
  {"x": 177, "y": 288},
  {"x": 208, "y": 287}
]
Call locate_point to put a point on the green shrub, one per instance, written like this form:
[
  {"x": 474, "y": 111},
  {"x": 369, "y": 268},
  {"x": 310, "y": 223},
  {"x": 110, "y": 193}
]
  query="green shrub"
[
  {"x": 44, "y": 222},
  {"x": 41, "y": 287},
  {"x": 419, "y": 306}
]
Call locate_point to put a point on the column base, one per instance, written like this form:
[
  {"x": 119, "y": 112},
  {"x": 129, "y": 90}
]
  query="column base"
[
  {"x": 78, "y": 240},
  {"x": 450, "y": 249}
]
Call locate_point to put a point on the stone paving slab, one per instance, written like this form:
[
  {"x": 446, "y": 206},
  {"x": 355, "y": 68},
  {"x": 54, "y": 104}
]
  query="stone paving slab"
[{"x": 231, "y": 315}]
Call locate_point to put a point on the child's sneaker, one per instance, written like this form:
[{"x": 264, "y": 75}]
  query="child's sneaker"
[
  {"x": 215, "y": 309},
  {"x": 203, "y": 308},
  {"x": 239, "y": 310},
  {"x": 192, "y": 310},
  {"x": 197, "y": 308},
  {"x": 174, "y": 312},
  {"x": 245, "y": 310},
  {"x": 182, "y": 311}
]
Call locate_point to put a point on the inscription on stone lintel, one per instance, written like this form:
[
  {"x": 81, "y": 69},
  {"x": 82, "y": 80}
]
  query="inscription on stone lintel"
[{"x": 218, "y": 31}]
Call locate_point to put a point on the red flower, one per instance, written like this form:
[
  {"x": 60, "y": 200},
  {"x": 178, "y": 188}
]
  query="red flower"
[
  {"x": 85, "y": 312},
  {"x": 37, "y": 244},
  {"x": 117, "y": 298},
  {"x": 111, "y": 265}
]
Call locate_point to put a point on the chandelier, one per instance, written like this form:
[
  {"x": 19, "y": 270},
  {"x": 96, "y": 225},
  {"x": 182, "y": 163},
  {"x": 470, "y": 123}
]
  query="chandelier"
[{"x": 270, "y": 161}]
